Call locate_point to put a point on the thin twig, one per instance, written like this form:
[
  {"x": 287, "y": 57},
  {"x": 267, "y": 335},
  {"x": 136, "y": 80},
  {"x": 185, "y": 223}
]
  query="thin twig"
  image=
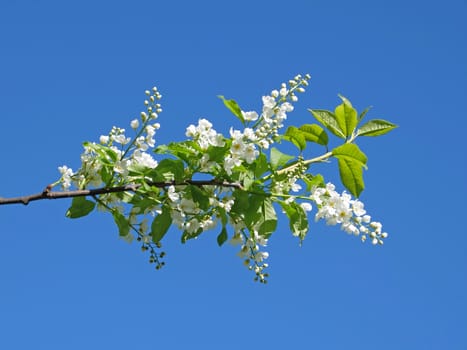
[{"x": 48, "y": 194}]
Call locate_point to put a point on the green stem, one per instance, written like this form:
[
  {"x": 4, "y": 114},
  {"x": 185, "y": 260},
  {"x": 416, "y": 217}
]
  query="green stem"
[
  {"x": 318, "y": 159},
  {"x": 143, "y": 127}
]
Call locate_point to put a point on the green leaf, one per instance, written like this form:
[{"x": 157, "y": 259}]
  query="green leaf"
[
  {"x": 143, "y": 200},
  {"x": 313, "y": 181},
  {"x": 328, "y": 120},
  {"x": 365, "y": 111},
  {"x": 199, "y": 197},
  {"x": 351, "y": 173},
  {"x": 80, "y": 207},
  {"x": 260, "y": 215},
  {"x": 351, "y": 161},
  {"x": 375, "y": 127},
  {"x": 190, "y": 235},
  {"x": 314, "y": 133},
  {"x": 294, "y": 135},
  {"x": 184, "y": 150},
  {"x": 350, "y": 151},
  {"x": 279, "y": 159},
  {"x": 137, "y": 170},
  {"x": 106, "y": 173},
  {"x": 298, "y": 220},
  {"x": 168, "y": 169},
  {"x": 122, "y": 223},
  {"x": 346, "y": 116},
  {"x": 261, "y": 165},
  {"x": 105, "y": 152},
  {"x": 233, "y": 107},
  {"x": 246, "y": 178},
  {"x": 160, "y": 225},
  {"x": 222, "y": 237},
  {"x": 252, "y": 210},
  {"x": 268, "y": 219},
  {"x": 218, "y": 154},
  {"x": 240, "y": 203}
]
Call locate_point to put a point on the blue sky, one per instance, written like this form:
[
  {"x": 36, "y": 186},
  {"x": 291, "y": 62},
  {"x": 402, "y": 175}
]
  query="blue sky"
[{"x": 69, "y": 71}]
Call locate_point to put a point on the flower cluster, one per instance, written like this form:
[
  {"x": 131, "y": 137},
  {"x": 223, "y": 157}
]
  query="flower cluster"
[
  {"x": 250, "y": 251},
  {"x": 204, "y": 134},
  {"x": 244, "y": 185},
  {"x": 241, "y": 149},
  {"x": 341, "y": 209},
  {"x": 117, "y": 149},
  {"x": 275, "y": 109}
]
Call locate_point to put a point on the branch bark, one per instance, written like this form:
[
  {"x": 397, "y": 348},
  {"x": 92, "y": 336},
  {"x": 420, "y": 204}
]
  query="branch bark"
[{"x": 48, "y": 194}]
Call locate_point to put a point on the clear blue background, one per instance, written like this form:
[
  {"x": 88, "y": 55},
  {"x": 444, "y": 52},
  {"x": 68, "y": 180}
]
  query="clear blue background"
[{"x": 69, "y": 71}]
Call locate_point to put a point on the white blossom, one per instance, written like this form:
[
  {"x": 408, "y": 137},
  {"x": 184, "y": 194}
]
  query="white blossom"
[
  {"x": 173, "y": 196},
  {"x": 250, "y": 116},
  {"x": 144, "y": 159},
  {"x": 306, "y": 206},
  {"x": 134, "y": 124},
  {"x": 67, "y": 173}
]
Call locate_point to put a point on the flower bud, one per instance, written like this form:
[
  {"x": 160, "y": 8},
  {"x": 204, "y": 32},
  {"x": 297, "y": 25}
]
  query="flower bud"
[
  {"x": 103, "y": 139},
  {"x": 134, "y": 124}
]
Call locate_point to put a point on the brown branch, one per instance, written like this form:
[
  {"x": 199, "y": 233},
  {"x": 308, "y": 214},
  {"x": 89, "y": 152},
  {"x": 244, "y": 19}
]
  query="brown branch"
[{"x": 48, "y": 194}]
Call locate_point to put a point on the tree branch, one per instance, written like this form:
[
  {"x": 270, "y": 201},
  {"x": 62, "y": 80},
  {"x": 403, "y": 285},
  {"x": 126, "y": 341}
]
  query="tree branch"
[{"x": 48, "y": 194}]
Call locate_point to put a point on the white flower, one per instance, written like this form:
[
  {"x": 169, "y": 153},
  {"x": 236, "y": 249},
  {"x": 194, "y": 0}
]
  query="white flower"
[
  {"x": 67, "y": 173},
  {"x": 121, "y": 139},
  {"x": 150, "y": 130},
  {"x": 286, "y": 107},
  {"x": 268, "y": 102},
  {"x": 192, "y": 226},
  {"x": 173, "y": 196},
  {"x": 260, "y": 239},
  {"x": 141, "y": 144},
  {"x": 208, "y": 224},
  {"x": 178, "y": 218},
  {"x": 104, "y": 139},
  {"x": 250, "y": 134},
  {"x": 188, "y": 206},
  {"x": 237, "y": 148},
  {"x": 121, "y": 166},
  {"x": 237, "y": 239},
  {"x": 244, "y": 252},
  {"x": 306, "y": 206},
  {"x": 295, "y": 187},
  {"x": 144, "y": 159},
  {"x": 204, "y": 125},
  {"x": 260, "y": 256},
  {"x": 191, "y": 131},
  {"x": 357, "y": 208},
  {"x": 250, "y": 116},
  {"x": 226, "y": 204},
  {"x": 134, "y": 124},
  {"x": 230, "y": 162},
  {"x": 250, "y": 153},
  {"x": 263, "y": 143},
  {"x": 350, "y": 228},
  {"x": 144, "y": 225},
  {"x": 236, "y": 135}
]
